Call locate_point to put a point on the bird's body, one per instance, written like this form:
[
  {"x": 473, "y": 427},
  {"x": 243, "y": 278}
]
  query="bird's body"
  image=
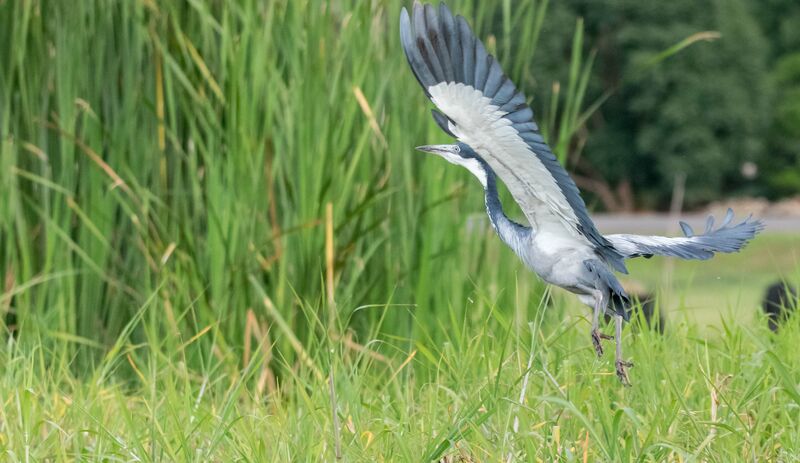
[
  {"x": 498, "y": 138},
  {"x": 555, "y": 256},
  {"x": 559, "y": 258}
]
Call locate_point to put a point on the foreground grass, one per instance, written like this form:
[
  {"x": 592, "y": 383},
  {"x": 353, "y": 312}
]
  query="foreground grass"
[
  {"x": 175, "y": 290},
  {"x": 733, "y": 397}
]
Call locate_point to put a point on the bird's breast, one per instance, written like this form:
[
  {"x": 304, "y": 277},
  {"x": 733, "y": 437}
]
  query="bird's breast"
[{"x": 557, "y": 258}]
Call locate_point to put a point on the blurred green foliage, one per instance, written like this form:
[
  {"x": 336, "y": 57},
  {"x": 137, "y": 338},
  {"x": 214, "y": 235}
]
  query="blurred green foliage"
[
  {"x": 165, "y": 172},
  {"x": 181, "y": 156},
  {"x": 186, "y": 151},
  {"x": 779, "y": 19},
  {"x": 702, "y": 114}
]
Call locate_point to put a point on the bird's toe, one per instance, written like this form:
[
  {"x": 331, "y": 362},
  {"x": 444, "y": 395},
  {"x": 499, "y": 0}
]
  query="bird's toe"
[
  {"x": 598, "y": 346},
  {"x": 621, "y": 373}
]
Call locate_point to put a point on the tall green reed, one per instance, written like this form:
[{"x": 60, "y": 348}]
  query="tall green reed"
[{"x": 183, "y": 154}]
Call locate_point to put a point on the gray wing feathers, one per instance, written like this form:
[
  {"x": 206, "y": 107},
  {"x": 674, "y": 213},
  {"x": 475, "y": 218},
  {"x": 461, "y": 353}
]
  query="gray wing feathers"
[
  {"x": 726, "y": 238},
  {"x": 443, "y": 48},
  {"x": 418, "y": 65},
  {"x": 439, "y": 43},
  {"x": 442, "y": 121},
  {"x": 467, "y": 44},
  {"x": 453, "y": 45}
]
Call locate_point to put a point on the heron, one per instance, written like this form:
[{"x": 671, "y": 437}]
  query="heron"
[{"x": 497, "y": 138}]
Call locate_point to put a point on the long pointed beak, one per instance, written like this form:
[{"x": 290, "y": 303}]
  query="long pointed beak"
[{"x": 434, "y": 149}]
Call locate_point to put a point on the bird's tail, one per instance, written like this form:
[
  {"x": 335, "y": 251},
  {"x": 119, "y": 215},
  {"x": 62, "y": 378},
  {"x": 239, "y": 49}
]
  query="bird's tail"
[
  {"x": 726, "y": 238},
  {"x": 605, "y": 281}
]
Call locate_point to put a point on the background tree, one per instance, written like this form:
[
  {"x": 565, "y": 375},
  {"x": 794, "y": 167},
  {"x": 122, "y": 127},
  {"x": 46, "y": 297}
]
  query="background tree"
[
  {"x": 705, "y": 114},
  {"x": 779, "y": 20}
]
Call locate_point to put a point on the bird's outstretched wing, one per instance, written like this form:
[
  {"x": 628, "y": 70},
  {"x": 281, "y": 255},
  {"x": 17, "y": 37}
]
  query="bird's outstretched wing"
[
  {"x": 483, "y": 108},
  {"x": 725, "y": 238}
]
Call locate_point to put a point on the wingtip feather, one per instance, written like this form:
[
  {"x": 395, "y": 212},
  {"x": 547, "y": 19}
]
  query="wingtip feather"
[
  {"x": 709, "y": 223},
  {"x": 729, "y": 218},
  {"x": 687, "y": 229}
]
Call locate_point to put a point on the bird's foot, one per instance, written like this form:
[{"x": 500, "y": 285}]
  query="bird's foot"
[
  {"x": 621, "y": 373},
  {"x": 596, "y": 337}
]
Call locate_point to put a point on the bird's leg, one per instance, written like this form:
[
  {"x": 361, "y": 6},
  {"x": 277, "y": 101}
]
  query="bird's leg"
[
  {"x": 621, "y": 364},
  {"x": 599, "y": 306}
]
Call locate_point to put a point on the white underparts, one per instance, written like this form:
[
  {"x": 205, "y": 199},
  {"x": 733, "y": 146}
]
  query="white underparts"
[{"x": 477, "y": 170}]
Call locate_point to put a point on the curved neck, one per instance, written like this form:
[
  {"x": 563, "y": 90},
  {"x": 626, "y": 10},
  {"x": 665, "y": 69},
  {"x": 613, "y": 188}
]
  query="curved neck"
[{"x": 512, "y": 233}]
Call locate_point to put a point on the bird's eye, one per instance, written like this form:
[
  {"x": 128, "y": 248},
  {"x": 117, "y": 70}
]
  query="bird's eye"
[{"x": 458, "y": 149}]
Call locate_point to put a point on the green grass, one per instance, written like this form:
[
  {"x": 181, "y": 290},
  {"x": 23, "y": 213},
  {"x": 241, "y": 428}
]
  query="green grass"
[
  {"x": 165, "y": 169},
  {"x": 454, "y": 395}
]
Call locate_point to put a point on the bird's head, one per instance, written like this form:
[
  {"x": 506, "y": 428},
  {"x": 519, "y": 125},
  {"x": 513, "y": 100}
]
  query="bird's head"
[{"x": 462, "y": 155}]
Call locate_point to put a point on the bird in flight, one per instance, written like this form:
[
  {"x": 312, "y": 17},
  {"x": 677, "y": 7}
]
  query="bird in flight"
[{"x": 498, "y": 138}]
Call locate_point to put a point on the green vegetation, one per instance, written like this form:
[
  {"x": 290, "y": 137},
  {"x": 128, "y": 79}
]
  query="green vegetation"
[
  {"x": 714, "y": 108},
  {"x": 778, "y": 19},
  {"x": 165, "y": 171}
]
